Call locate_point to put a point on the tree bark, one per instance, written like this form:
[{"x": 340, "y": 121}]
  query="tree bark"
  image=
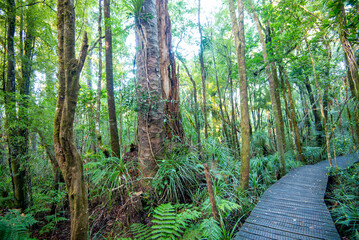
[
  {"x": 273, "y": 87},
  {"x": 115, "y": 142},
  {"x": 170, "y": 82},
  {"x": 211, "y": 192},
  {"x": 239, "y": 40},
  {"x": 17, "y": 167},
  {"x": 66, "y": 153},
  {"x": 150, "y": 106}
]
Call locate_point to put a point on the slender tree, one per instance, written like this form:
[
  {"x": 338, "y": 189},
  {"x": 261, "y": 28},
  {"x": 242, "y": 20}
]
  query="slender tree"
[
  {"x": 17, "y": 167},
  {"x": 66, "y": 153},
  {"x": 115, "y": 142},
  {"x": 203, "y": 73},
  {"x": 239, "y": 41},
  {"x": 273, "y": 87}
]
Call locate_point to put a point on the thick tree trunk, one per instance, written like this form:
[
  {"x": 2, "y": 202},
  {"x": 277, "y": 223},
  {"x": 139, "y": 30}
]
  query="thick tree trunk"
[
  {"x": 66, "y": 153},
  {"x": 273, "y": 87},
  {"x": 170, "y": 84},
  {"x": 150, "y": 108},
  {"x": 239, "y": 40},
  {"x": 203, "y": 73},
  {"x": 115, "y": 142}
]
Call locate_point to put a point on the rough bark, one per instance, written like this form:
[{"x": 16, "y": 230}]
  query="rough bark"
[
  {"x": 203, "y": 73},
  {"x": 352, "y": 65},
  {"x": 149, "y": 93},
  {"x": 115, "y": 142},
  {"x": 15, "y": 155},
  {"x": 211, "y": 192},
  {"x": 273, "y": 87},
  {"x": 66, "y": 153},
  {"x": 239, "y": 40},
  {"x": 170, "y": 84}
]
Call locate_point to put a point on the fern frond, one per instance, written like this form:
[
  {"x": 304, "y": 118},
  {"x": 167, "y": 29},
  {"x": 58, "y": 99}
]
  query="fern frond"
[{"x": 211, "y": 229}]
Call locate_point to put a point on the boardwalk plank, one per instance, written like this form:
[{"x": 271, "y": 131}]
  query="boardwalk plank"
[{"x": 294, "y": 208}]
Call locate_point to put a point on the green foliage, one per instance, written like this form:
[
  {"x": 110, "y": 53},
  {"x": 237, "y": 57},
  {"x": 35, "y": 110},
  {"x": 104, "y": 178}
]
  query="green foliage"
[
  {"x": 14, "y": 225},
  {"x": 108, "y": 175},
  {"x": 210, "y": 229},
  {"x": 313, "y": 154},
  {"x": 176, "y": 177},
  {"x": 52, "y": 220},
  {"x": 168, "y": 223},
  {"x": 134, "y": 7},
  {"x": 345, "y": 200}
]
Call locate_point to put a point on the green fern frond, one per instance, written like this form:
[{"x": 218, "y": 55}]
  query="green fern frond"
[
  {"x": 211, "y": 229},
  {"x": 140, "y": 231}
]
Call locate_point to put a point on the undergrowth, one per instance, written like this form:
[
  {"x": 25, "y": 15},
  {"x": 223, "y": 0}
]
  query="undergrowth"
[{"x": 344, "y": 201}]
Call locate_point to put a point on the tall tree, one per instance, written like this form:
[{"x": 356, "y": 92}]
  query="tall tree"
[
  {"x": 18, "y": 170},
  {"x": 239, "y": 41},
  {"x": 150, "y": 106},
  {"x": 115, "y": 142},
  {"x": 66, "y": 153},
  {"x": 170, "y": 84},
  {"x": 273, "y": 87},
  {"x": 203, "y": 72}
]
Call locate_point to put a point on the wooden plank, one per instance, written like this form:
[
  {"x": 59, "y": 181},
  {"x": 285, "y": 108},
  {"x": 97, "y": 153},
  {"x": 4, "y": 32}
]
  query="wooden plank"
[{"x": 294, "y": 208}]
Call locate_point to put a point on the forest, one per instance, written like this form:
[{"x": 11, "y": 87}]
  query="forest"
[{"x": 157, "y": 119}]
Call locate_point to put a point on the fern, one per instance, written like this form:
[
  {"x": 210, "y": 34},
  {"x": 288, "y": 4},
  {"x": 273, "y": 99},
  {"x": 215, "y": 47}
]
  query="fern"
[
  {"x": 211, "y": 229},
  {"x": 167, "y": 223},
  {"x": 14, "y": 225}
]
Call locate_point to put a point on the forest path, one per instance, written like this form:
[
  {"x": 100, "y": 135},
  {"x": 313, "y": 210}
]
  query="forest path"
[{"x": 294, "y": 208}]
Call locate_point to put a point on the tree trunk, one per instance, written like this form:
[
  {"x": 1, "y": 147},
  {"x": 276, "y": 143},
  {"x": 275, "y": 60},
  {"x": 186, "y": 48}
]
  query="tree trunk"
[
  {"x": 150, "y": 108},
  {"x": 66, "y": 153},
  {"x": 320, "y": 103},
  {"x": 90, "y": 111},
  {"x": 298, "y": 143},
  {"x": 239, "y": 40},
  {"x": 320, "y": 139},
  {"x": 224, "y": 125},
  {"x": 115, "y": 142},
  {"x": 15, "y": 155},
  {"x": 273, "y": 87},
  {"x": 352, "y": 65},
  {"x": 170, "y": 84},
  {"x": 198, "y": 131},
  {"x": 203, "y": 73}
]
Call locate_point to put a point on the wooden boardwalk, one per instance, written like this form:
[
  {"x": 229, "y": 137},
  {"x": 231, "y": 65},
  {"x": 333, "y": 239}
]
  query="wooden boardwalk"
[{"x": 294, "y": 208}]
